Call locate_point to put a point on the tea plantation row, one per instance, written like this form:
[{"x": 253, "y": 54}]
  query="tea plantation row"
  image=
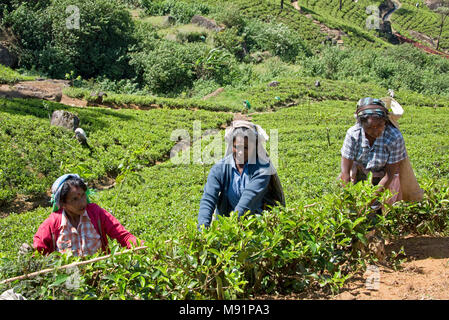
[{"x": 288, "y": 249}]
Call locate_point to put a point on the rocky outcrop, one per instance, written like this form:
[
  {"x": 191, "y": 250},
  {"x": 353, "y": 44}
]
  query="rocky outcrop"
[
  {"x": 97, "y": 97},
  {"x": 206, "y": 23},
  {"x": 40, "y": 89},
  {"x": 168, "y": 21},
  {"x": 65, "y": 119},
  {"x": 259, "y": 56}
]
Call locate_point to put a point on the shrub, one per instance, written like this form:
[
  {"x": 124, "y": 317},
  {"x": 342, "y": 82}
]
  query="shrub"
[
  {"x": 231, "y": 16},
  {"x": 98, "y": 47},
  {"x": 230, "y": 40},
  {"x": 181, "y": 11},
  {"x": 145, "y": 37},
  {"x": 99, "y": 19},
  {"x": 191, "y": 36},
  {"x": 219, "y": 65},
  {"x": 276, "y": 38},
  {"x": 169, "y": 68}
]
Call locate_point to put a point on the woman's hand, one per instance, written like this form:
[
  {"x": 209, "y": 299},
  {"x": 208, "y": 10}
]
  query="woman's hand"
[{"x": 345, "y": 174}]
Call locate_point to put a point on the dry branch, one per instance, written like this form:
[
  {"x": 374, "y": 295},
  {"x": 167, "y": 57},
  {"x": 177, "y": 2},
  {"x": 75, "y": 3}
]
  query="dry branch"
[{"x": 67, "y": 266}]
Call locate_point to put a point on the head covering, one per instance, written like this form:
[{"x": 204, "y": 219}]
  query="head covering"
[
  {"x": 371, "y": 107},
  {"x": 261, "y": 138},
  {"x": 395, "y": 110},
  {"x": 274, "y": 187},
  {"x": 57, "y": 187}
]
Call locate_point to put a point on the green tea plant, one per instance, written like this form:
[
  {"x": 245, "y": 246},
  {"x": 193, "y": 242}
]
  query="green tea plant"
[
  {"x": 35, "y": 153},
  {"x": 308, "y": 244},
  {"x": 10, "y": 76}
]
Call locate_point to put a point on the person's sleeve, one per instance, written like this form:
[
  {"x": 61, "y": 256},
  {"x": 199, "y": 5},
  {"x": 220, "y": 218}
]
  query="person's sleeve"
[
  {"x": 397, "y": 150},
  {"x": 254, "y": 191},
  {"x": 348, "y": 149},
  {"x": 42, "y": 240},
  {"x": 115, "y": 230},
  {"x": 210, "y": 196}
]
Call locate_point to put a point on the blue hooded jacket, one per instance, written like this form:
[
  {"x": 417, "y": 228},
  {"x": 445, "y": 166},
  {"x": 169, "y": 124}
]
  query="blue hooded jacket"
[{"x": 261, "y": 186}]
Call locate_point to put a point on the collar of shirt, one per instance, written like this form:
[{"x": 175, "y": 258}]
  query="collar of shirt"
[
  {"x": 365, "y": 141},
  {"x": 237, "y": 184},
  {"x": 65, "y": 222},
  {"x": 234, "y": 167}
]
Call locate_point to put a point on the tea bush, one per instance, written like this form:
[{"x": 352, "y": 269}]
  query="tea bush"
[
  {"x": 276, "y": 252},
  {"x": 35, "y": 153},
  {"x": 9, "y": 76},
  {"x": 386, "y": 68},
  {"x": 308, "y": 244},
  {"x": 181, "y": 11}
]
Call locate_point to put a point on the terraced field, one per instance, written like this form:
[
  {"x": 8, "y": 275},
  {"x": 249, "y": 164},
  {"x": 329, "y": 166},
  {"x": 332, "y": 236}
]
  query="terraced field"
[{"x": 159, "y": 203}]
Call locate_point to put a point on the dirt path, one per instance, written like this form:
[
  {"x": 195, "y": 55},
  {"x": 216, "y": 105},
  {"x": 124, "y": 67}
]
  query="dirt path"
[
  {"x": 45, "y": 89},
  {"x": 423, "y": 275}
]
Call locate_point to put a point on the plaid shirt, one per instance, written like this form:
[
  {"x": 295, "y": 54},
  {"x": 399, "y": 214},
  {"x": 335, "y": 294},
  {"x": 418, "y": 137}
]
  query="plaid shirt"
[
  {"x": 389, "y": 148},
  {"x": 83, "y": 240}
]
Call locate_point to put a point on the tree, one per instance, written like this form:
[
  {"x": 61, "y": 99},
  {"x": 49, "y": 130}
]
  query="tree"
[
  {"x": 442, "y": 8},
  {"x": 89, "y": 37}
]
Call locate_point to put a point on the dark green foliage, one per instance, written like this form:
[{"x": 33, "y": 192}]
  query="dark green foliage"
[
  {"x": 230, "y": 15},
  {"x": 169, "y": 68},
  {"x": 402, "y": 67},
  {"x": 230, "y": 40},
  {"x": 98, "y": 47},
  {"x": 181, "y": 11}
]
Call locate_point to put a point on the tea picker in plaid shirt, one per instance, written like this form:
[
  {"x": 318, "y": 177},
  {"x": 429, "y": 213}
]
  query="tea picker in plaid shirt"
[
  {"x": 374, "y": 145},
  {"x": 77, "y": 225}
]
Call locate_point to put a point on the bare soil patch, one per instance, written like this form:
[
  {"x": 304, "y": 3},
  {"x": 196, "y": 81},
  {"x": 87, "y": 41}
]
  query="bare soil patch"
[
  {"x": 24, "y": 203},
  {"x": 424, "y": 275}
]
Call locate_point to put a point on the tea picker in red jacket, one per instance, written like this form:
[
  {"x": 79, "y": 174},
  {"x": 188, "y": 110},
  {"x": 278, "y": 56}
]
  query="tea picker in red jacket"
[{"x": 76, "y": 224}]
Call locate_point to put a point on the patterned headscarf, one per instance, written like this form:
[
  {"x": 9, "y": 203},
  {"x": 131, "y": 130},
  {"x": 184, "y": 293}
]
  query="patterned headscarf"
[
  {"x": 371, "y": 107},
  {"x": 57, "y": 187}
]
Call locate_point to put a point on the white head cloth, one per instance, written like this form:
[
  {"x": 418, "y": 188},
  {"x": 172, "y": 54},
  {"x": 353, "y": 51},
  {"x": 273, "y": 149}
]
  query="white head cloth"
[{"x": 262, "y": 138}]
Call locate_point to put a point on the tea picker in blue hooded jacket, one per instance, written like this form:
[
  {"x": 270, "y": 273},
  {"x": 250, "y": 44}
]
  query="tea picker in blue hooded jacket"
[{"x": 244, "y": 180}]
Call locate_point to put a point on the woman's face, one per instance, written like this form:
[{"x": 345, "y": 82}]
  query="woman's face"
[
  {"x": 244, "y": 149},
  {"x": 374, "y": 127},
  {"x": 75, "y": 202},
  {"x": 240, "y": 149}
]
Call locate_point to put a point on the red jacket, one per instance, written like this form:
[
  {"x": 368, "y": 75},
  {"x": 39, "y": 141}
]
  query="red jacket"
[{"x": 104, "y": 223}]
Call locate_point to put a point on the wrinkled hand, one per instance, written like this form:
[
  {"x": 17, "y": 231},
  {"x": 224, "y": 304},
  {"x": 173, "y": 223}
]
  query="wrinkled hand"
[{"x": 344, "y": 178}]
